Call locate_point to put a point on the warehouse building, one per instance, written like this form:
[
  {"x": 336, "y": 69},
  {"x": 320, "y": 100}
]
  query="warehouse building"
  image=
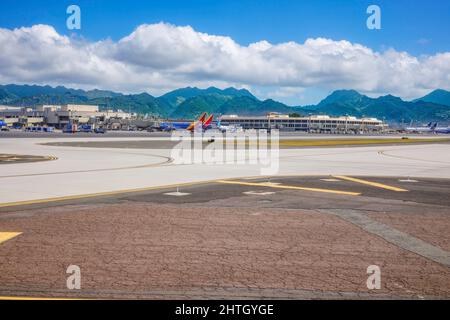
[
  {"x": 81, "y": 114},
  {"x": 59, "y": 116},
  {"x": 20, "y": 117},
  {"x": 312, "y": 124}
]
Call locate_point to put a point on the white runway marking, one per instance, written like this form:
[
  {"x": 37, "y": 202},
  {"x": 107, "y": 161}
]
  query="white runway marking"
[
  {"x": 177, "y": 194},
  {"x": 256, "y": 193}
]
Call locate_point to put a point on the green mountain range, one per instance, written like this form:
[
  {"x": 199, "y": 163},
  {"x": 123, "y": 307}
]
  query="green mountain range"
[
  {"x": 390, "y": 108},
  {"x": 188, "y": 103},
  {"x": 177, "y": 97},
  {"x": 438, "y": 96}
]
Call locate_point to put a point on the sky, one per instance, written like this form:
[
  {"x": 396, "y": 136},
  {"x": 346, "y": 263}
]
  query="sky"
[{"x": 293, "y": 51}]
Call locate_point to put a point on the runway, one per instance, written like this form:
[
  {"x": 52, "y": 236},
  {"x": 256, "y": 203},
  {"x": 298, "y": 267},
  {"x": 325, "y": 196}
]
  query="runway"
[{"x": 82, "y": 170}]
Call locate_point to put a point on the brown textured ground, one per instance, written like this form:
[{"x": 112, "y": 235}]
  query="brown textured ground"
[
  {"x": 131, "y": 248},
  {"x": 153, "y": 247},
  {"x": 431, "y": 227}
]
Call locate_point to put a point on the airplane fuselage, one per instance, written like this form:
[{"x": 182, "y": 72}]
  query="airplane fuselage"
[
  {"x": 168, "y": 126},
  {"x": 429, "y": 130}
]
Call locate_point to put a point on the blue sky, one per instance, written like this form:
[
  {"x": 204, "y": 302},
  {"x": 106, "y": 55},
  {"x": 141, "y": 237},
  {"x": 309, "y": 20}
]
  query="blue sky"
[{"x": 417, "y": 27}]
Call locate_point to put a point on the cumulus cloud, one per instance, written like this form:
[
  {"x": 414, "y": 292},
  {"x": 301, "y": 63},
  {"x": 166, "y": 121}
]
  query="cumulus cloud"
[{"x": 161, "y": 57}]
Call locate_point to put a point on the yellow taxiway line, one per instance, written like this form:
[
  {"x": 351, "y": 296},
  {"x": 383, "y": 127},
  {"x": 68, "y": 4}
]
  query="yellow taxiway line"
[
  {"x": 111, "y": 193},
  {"x": 370, "y": 183},
  {"x": 36, "y": 298},
  {"x": 271, "y": 185},
  {"x": 99, "y": 194},
  {"x": 5, "y": 236}
]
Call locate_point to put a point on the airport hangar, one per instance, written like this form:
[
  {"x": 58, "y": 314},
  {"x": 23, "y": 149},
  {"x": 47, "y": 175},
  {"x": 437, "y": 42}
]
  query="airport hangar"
[{"x": 312, "y": 124}]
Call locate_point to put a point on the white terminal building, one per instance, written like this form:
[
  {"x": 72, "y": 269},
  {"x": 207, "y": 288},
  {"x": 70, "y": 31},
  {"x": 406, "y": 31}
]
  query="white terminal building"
[
  {"x": 59, "y": 116},
  {"x": 312, "y": 124}
]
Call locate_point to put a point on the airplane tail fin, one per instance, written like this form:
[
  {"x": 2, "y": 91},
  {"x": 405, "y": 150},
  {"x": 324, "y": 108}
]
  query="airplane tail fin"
[
  {"x": 203, "y": 117},
  {"x": 434, "y": 126},
  {"x": 195, "y": 124},
  {"x": 208, "y": 121}
]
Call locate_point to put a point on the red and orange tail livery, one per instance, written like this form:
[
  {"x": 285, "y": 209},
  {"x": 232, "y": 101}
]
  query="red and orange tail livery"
[
  {"x": 208, "y": 122},
  {"x": 199, "y": 122},
  {"x": 203, "y": 117}
]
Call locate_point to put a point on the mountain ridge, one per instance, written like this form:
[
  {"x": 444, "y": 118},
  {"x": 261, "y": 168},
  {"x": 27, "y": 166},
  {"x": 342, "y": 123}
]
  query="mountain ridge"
[
  {"x": 189, "y": 102},
  {"x": 438, "y": 96},
  {"x": 388, "y": 107}
]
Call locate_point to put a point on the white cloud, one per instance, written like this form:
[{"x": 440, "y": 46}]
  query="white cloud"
[{"x": 160, "y": 57}]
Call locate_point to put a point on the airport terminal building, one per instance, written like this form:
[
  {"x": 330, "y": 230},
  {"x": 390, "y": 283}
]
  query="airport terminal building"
[
  {"x": 60, "y": 116},
  {"x": 312, "y": 124}
]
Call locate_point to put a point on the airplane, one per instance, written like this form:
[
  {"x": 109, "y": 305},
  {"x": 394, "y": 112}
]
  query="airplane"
[
  {"x": 430, "y": 128},
  {"x": 443, "y": 130},
  {"x": 226, "y": 128},
  {"x": 172, "y": 126},
  {"x": 198, "y": 124},
  {"x": 201, "y": 126},
  {"x": 207, "y": 124}
]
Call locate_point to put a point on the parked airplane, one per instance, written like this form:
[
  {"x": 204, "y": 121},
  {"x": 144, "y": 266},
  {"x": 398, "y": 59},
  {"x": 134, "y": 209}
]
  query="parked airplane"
[
  {"x": 198, "y": 124},
  {"x": 202, "y": 124},
  {"x": 208, "y": 123},
  {"x": 171, "y": 126},
  {"x": 430, "y": 128},
  {"x": 227, "y": 128},
  {"x": 443, "y": 130}
]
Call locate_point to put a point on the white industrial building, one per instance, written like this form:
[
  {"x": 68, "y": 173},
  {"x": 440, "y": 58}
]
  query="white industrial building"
[{"x": 59, "y": 116}]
